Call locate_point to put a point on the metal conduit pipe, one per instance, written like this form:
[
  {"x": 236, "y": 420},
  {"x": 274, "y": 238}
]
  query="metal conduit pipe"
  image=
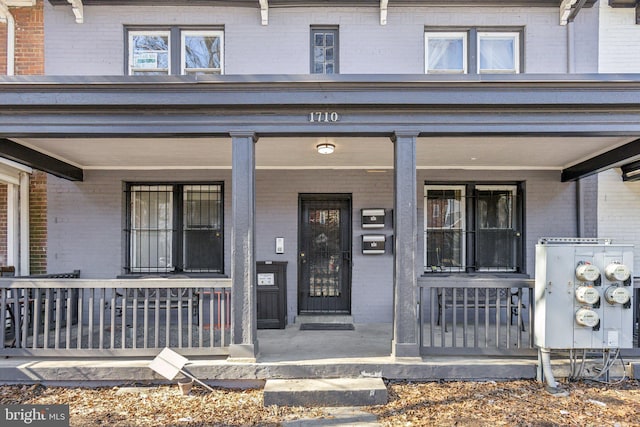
[
  {"x": 11, "y": 37},
  {"x": 545, "y": 360}
]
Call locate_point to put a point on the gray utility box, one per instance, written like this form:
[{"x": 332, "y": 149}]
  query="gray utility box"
[{"x": 583, "y": 294}]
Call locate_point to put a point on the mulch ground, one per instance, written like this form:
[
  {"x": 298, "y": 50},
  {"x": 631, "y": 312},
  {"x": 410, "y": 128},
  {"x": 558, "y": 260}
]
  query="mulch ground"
[{"x": 513, "y": 403}]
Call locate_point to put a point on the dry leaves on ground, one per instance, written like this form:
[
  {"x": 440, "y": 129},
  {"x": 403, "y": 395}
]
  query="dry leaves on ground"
[{"x": 513, "y": 403}]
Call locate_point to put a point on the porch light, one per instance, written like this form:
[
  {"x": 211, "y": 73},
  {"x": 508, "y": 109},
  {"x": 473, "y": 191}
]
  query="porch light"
[{"x": 325, "y": 148}]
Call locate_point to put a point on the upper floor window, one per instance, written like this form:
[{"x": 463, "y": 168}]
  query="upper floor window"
[
  {"x": 446, "y": 52},
  {"x": 201, "y": 52},
  {"x": 473, "y": 51},
  {"x": 149, "y": 53},
  {"x": 473, "y": 227},
  {"x": 175, "y": 50},
  {"x": 324, "y": 50},
  {"x": 498, "y": 52}
]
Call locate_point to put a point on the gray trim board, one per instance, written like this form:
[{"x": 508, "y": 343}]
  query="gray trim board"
[
  {"x": 589, "y": 105},
  {"x": 32, "y": 158}
]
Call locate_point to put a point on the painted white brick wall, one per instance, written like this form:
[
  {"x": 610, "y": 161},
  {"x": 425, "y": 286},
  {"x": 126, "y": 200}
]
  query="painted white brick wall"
[
  {"x": 618, "y": 201},
  {"x": 618, "y": 207},
  {"x": 97, "y": 46},
  {"x": 91, "y": 238},
  {"x": 619, "y": 40}
]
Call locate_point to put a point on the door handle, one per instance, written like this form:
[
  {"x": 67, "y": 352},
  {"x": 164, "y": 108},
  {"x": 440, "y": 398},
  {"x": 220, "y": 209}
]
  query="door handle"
[
  {"x": 346, "y": 256},
  {"x": 303, "y": 258}
]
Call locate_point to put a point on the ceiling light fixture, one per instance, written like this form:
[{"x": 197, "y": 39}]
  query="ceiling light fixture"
[{"x": 325, "y": 148}]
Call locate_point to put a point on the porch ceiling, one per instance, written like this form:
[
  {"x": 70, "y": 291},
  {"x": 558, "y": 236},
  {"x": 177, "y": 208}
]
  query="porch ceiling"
[{"x": 486, "y": 152}]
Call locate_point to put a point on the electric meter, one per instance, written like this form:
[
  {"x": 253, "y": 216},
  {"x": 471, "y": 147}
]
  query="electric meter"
[
  {"x": 587, "y": 295},
  {"x": 617, "y": 295},
  {"x": 587, "y": 317},
  {"x": 617, "y": 272},
  {"x": 587, "y": 273}
]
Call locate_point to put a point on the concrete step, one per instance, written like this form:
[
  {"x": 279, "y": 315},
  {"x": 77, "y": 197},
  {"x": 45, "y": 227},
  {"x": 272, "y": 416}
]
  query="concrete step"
[
  {"x": 325, "y": 392},
  {"x": 331, "y": 318}
]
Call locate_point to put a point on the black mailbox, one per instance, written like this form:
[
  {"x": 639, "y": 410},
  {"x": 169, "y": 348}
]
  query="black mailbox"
[
  {"x": 373, "y": 218},
  {"x": 373, "y": 244}
]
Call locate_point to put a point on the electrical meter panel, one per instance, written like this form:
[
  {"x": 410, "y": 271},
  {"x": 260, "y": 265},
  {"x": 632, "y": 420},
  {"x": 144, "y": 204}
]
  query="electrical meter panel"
[{"x": 584, "y": 294}]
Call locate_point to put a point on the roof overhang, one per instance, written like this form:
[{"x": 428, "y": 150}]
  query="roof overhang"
[
  {"x": 521, "y": 118},
  {"x": 568, "y": 8},
  {"x": 333, "y": 3}
]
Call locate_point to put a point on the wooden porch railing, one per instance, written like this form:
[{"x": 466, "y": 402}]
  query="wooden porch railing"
[
  {"x": 119, "y": 317},
  {"x": 476, "y": 316},
  {"x": 486, "y": 316}
]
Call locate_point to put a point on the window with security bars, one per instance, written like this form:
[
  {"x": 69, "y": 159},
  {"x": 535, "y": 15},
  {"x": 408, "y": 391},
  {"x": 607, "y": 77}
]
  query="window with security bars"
[
  {"x": 175, "y": 228},
  {"x": 324, "y": 50},
  {"x": 473, "y": 227}
]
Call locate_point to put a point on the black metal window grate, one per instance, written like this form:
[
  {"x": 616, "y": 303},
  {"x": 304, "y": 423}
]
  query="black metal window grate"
[
  {"x": 472, "y": 227},
  {"x": 175, "y": 228}
]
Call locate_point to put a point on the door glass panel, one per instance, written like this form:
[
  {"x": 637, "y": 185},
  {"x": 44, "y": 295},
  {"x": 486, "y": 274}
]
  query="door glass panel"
[
  {"x": 496, "y": 232},
  {"x": 325, "y": 260},
  {"x": 202, "y": 235}
]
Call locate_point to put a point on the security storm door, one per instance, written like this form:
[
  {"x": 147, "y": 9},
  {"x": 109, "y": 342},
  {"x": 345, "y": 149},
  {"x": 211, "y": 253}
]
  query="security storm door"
[{"x": 324, "y": 262}]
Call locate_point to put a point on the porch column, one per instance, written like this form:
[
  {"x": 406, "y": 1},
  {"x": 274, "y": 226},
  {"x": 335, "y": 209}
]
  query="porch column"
[
  {"x": 405, "y": 217},
  {"x": 25, "y": 248},
  {"x": 244, "y": 329}
]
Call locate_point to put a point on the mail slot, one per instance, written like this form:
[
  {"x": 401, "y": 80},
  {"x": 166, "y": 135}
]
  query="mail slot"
[
  {"x": 373, "y": 244},
  {"x": 373, "y": 218}
]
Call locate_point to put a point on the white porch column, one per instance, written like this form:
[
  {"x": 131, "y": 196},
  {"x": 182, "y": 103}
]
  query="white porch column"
[
  {"x": 244, "y": 322},
  {"x": 24, "y": 266},
  {"x": 405, "y": 218}
]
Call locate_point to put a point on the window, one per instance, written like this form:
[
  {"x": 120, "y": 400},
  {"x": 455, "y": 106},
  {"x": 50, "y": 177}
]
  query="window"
[
  {"x": 324, "y": 50},
  {"x": 149, "y": 53},
  {"x": 446, "y": 52},
  {"x": 473, "y": 227},
  {"x": 175, "y": 50},
  {"x": 175, "y": 228},
  {"x": 498, "y": 53},
  {"x": 201, "y": 52},
  {"x": 473, "y": 51}
]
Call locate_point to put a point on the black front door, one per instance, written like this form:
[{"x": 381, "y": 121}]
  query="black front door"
[{"x": 324, "y": 262}]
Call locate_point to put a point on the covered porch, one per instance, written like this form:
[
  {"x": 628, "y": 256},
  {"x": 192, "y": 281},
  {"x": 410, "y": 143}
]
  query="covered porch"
[{"x": 258, "y": 134}]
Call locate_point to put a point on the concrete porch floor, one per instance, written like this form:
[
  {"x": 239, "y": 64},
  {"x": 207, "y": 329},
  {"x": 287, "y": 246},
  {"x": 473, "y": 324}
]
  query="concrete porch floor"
[{"x": 283, "y": 354}]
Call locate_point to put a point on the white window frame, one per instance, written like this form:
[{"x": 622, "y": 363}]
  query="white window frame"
[
  {"x": 132, "y": 34},
  {"x": 207, "y": 33},
  {"x": 446, "y": 35},
  {"x": 463, "y": 226},
  {"x": 515, "y": 36}
]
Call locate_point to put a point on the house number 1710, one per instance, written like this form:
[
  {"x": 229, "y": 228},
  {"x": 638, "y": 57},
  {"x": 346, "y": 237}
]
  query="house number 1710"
[{"x": 323, "y": 117}]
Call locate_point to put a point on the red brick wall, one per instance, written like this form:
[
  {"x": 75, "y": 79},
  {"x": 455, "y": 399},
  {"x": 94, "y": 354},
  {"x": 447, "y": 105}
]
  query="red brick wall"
[
  {"x": 3, "y": 48},
  {"x": 29, "y": 51},
  {"x": 29, "y": 60},
  {"x": 38, "y": 222}
]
